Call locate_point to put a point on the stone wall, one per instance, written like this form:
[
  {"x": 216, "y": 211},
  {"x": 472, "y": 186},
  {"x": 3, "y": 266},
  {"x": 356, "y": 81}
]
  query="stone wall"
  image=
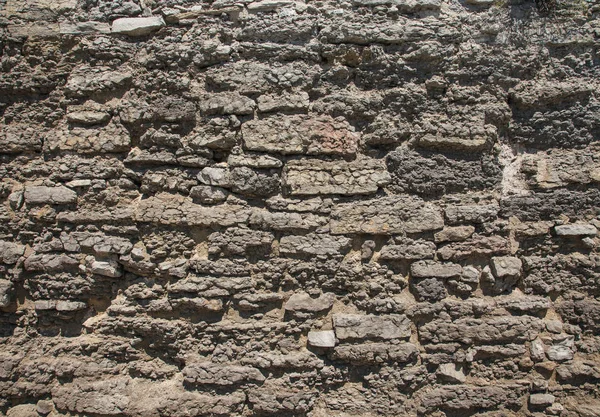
[{"x": 288, "y": 208}]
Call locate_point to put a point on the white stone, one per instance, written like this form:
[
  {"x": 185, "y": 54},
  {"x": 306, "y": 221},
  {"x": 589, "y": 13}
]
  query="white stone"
[
  {"x": 323, "y": 338},
  {"x": 137, "y": 26}
]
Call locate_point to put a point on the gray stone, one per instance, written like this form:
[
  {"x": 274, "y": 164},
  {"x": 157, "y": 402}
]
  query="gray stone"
[
  {"x": 314, "y": 245},
  {"x": 10, "y": 252},
  {"x": 6, "y": 293},
  {"x": 541, "y": 400},
  {"x": 496, "y": 330},
  {"x": 472, "y": 213},
  {"x": 287, "y": 102},
  {"x": 106, "y": 269},
  {"x": 254, "y": 161},
  {"x": 137, "y": 26},
  {"x": 207, "y": 194},
  {"x": 304, "y": 303},
  {"x": 49, "y": 195},
  {"x": 537, "y": 350},
  {"x": 559, "y": 353},
  {"x": 412, "y": 250},
  {"x": 428, "y": 289},
  {"x": 321, "y": 339},
  {"x": 88, "y": 117},
  {"x": 506, "y": 266},
  {"x": 432, "y": 269},
  {"x": 448, "y": 372},
  {"x": 576, "y": 230},
  {"x": 80, "y": 28},
  {"x": 227, "y": 103},
  {"x": 50, "y": 263},
  {"x": 468, "y": 399},
  {"x": 369, "y": 327},
  {"x": 218, "y": 176}
]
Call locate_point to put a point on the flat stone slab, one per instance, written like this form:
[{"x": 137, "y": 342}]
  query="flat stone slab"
[
  {"x": 386, "y": 216},
  {"x": 370, "y": 327},
  {"x": 299, "y": 134},
  {"x": 322, "y": 339},
  {"x": 50, "y": 195},
  {"x": 576, "y": 230},
  {"x": 137, "y": 26},
  {"x": 314, "y": 177}
]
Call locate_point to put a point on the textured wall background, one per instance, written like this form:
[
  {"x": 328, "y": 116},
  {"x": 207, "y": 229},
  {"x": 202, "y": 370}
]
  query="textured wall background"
[{"x": 286, "y": 208}]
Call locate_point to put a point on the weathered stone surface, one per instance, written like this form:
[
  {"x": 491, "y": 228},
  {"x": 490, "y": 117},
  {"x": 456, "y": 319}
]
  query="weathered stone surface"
[
  {"x": 170, "y": 209},
  {"x": 471, "y": 213},
  {"x": 10, "y": 252},
  {"x": 208, "y": 373},
  {"x": 288, "y": 102},
  {"x": 448, "y": 372},
  {"x": 387, "y": 215},
  {"x": 478, "y": 331},
  {"x": 576, "y": 230},
  {"x": 6, "y": 293},
  {"x": 454, "y": 234},
  {"x": 506, "y": 266},
  {"x": 469, "y": 398},
  {"x": 290, "y": 208},
  {"x": 227, "y": 103},
  {"x": 300, "y": 135},
  {"x": 367, "y": 327},
  {"x": 239, "y": 241},
  {"x": 304, "y": 303},
  {"x": 50, "y": 195},
  {"x": 314, "y": 245},
  {"x": 410, "y": 251},
  {"x": 561, "y": 168},
  {"x": 430, "y": 269},
  {"x": 110, "y": 138},
  {"x": 313, "y": 176},
  {"x": 375, "y": 353}
]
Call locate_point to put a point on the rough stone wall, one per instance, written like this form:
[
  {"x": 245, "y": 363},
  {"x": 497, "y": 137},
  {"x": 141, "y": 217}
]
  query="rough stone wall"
[{"x": 287, "y": 208}]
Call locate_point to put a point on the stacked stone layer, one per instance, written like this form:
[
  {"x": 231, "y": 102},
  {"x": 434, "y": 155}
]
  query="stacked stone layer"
[{"x": 288, "y": 208}]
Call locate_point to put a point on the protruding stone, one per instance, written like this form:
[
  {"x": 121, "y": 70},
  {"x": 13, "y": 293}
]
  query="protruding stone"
[
  {"x": 448, "y": 372},
  {"x": 50, "y": 195},
  {"x": 369, "y": 327},
  {"x": 506, "y": 267},
  {"x": 576, "y": 230},
  {"x": 541, "y": 400},
  {"x": 6, "y": 293},
  {"x": 137, "y": 26},
  {"x": 322, "y": 339},
  {"x": 454, "y": 234},
  {"x": 432, "y": 269},
  {"x": 304, "y": 303},
  {"x": 106, "y": 269}
]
